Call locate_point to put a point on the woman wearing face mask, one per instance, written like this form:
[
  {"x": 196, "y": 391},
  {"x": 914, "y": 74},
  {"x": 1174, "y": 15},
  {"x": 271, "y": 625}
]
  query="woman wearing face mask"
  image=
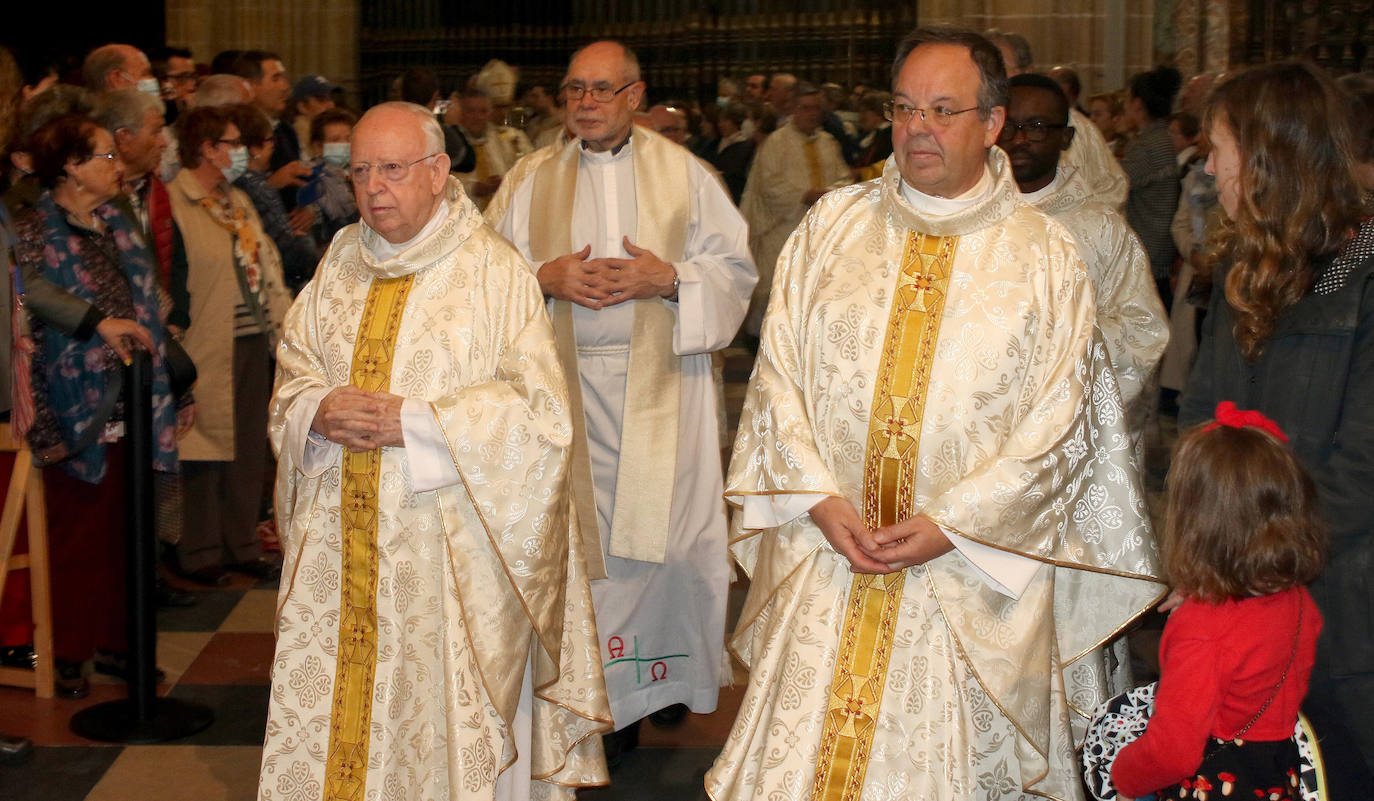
[
  {"x": 78, "y": 240},
  {"x": 334, "y": 202},
  {"x": 238, "y": 299},
  {"x": 1290, "y": 332},
  {"x": 299, "y": 255}
]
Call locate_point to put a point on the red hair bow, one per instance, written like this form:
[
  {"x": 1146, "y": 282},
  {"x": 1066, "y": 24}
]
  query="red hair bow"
[{"x": 1228, "y": 415}]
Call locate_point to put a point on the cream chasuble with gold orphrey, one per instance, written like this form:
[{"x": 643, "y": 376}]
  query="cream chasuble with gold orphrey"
[
  {"x": 944, "y": 365},
  {"x": 407, "y": 619}
]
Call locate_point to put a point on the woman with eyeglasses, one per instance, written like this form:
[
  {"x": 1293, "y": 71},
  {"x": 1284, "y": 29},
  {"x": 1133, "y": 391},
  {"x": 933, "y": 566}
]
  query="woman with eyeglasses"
[
  {"x": 79, "y": 241},
  {"x": 238, "y": 300}
]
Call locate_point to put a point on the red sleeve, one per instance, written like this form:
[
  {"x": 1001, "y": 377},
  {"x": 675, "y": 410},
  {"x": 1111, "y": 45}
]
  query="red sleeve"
[{"x": 1186, "y": 704}]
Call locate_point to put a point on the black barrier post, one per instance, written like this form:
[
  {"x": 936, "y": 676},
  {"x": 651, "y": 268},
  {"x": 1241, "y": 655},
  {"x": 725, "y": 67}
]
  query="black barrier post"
[{"x": 142, "y": 718}]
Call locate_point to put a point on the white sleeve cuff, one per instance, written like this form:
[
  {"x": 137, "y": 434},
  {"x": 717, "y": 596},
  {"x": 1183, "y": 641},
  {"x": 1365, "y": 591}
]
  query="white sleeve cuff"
[
  {"x": 1008, "y": 573},
  {"x": 312, "y": 453},
  {"x": 771, "y": 511},
  {"x": 431, "y": 463}
]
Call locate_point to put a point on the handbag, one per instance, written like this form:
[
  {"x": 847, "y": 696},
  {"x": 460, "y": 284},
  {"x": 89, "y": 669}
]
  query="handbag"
[
  {"x": 181, "y": 369},
  {"x": 1120, "y": 720}
]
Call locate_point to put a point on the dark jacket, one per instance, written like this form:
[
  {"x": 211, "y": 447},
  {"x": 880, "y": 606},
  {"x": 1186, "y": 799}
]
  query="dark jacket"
[{"x": 1315, "y": 379}]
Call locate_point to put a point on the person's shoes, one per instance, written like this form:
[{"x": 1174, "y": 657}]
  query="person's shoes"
[
  {"x": 168, "y": 597},
  {"x": 212, "y": 576},
  {"x": 262, "y": 568},
  {"x": 14, "y": 749},
  {"x": 19, "y": 656},
  {"x": 70, "y": 682},
  {"x": 620, "y": 743},
  {"x": 669, "y": 716},
  {"x": 110, "y": 663}
]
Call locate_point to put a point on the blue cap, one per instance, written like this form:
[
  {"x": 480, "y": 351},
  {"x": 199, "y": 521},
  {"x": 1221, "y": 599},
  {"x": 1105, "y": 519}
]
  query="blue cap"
[{"x": 312, "y": 86}]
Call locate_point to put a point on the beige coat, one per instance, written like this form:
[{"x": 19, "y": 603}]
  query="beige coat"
[{"x": 214, "y": 290}]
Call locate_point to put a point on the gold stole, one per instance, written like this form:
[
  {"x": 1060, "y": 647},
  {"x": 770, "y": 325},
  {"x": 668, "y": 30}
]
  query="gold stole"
[
  {"x": 890, "y": 472},
  {"x": 648, "y": 435},
  {"x": 351, "y": 718},
  {"x": 813, "y": 161},
  {"x": 482, "y": 169}
]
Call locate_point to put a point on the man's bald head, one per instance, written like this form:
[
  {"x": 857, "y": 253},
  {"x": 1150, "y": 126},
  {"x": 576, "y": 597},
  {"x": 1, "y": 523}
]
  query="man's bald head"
[
  {"x": 780, "y": 91},
  {"x": 399, "y": 169},
  {"x": 221, "y": 90},
  {"x": 611, "y": 50},
  {"x": 115, "y": 66},
  {"x": 669, "y": 121}
]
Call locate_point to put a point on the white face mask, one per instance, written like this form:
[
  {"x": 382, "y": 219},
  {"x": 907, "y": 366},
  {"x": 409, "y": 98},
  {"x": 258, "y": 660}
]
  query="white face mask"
[
  {"x": 238, "y": 163},
  {"x": 336, "y": 153},
  {"x": 150, "y": 86}
]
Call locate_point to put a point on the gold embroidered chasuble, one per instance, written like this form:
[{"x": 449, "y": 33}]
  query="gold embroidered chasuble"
[
  {"x": 648, "y": 442},
  {"x": 406, "y": 618},
  {"x": 930, "y": 683}
]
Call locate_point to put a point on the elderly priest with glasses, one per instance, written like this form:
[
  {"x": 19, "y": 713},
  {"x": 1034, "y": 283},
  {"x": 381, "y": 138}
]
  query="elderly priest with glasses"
[
  {"x": 434, "y": 632},
  {"x": 943, "y": 521},
  {"x": 645, "y": 263}
]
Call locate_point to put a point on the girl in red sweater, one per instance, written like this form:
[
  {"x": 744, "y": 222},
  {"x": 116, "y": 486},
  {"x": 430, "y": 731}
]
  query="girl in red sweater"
[{"x": 1242, "y": 536}]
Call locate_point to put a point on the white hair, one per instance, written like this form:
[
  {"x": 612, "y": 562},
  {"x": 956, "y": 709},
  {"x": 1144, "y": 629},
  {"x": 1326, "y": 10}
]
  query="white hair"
[
  {"x": 429, "y": 124},
  {"x": 221, "y": 90},
  {"x": 126, "y": 108}
]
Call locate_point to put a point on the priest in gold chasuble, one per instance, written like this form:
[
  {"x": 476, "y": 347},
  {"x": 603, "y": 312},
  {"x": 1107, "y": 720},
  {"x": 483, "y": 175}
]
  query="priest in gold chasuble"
[
  {"x": 939, "y": 508},
  {"x": 435, "y": 637}
]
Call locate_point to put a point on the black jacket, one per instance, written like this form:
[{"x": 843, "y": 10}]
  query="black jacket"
[{"x": 1315, "y": 379}]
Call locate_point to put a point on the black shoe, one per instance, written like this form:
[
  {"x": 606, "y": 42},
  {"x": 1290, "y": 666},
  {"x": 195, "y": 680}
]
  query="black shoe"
[
  {"x": 262, "y": 568},
  {"x": 669, "y": 716},
  {"x": 211, "y": 576},
  {"x": 19, "y": 656},
  {"x": 110, "y": 663},
  {"x": 620, "y": 743},
  {"x": 166, "y": 597},
  {"x": 70, "y": 682},
  {"x": 14, "y": 749}
]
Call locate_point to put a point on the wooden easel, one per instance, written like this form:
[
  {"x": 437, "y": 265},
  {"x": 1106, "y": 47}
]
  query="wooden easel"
[{"x": 26, "y": 495}]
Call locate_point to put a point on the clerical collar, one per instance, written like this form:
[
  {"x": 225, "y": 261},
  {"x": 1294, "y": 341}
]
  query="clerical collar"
[
  {"x": 1045, "y": 191},
  {"x": 613, "y": 152},
  {"x": 382, "y": 250},
  {"x": 947, "y": 206}
]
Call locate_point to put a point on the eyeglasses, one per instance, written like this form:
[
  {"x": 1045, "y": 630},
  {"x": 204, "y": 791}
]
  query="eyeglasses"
[
  {"x": 231, "y": 142},
  {"x": 110, "y": 156},
  {"x": 181, "y": 77},
  {"x": 601, "y": 93},
  {"x": 391, "y": 171},
  {"x": 901, "y": 113},
  {"x": 1036, "y": 131}
]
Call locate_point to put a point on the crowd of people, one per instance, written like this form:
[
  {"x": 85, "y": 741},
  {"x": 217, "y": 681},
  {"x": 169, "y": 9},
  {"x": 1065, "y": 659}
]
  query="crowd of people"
[{"x": 479, "y": 331}]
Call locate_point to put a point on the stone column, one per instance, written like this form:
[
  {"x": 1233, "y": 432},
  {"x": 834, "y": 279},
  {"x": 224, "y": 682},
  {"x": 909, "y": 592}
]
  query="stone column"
[{"x": 311, "y": 36}]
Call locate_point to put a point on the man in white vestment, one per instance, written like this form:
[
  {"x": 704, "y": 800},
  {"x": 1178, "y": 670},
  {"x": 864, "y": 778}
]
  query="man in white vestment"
[
  {"x": 942, "y": 519},
  {"x": 1130, "y": 316},
  {"x": 645, "y": 264},
  {"x": 793, "y": 167},
  {"x": 1089, "y": 154},
  {"x": 496, "y": 147},
  {"x": 435, "y": 635}
]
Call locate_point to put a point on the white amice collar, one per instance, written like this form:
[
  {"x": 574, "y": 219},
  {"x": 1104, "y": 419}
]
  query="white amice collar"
[
  {"x": 945, "y": 206},
  {"x": 382, "y": 250},
  {"x": 1045, "y": 191}
]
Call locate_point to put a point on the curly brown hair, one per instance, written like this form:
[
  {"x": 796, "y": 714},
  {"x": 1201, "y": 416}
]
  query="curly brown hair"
[
  {"x": 1242, "y": 516},
  {"x": 1299, "y": 197}
]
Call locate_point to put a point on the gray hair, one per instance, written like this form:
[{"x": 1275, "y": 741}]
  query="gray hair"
[
  {"x": 1020, "y": 47},
  {"x": 126, "y": 109},
  {"x": 631, "y": 72},
  {"x": 429, "y": 124},
  {"x": 221, "y": 89},
  {"x": 100, "y": 62}
]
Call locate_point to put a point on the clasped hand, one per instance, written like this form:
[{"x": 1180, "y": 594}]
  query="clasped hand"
[
  {"x": 598, "y": 283},
  {"x": 358, "y": 420},
  {"x": 911, "y": 542}
]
